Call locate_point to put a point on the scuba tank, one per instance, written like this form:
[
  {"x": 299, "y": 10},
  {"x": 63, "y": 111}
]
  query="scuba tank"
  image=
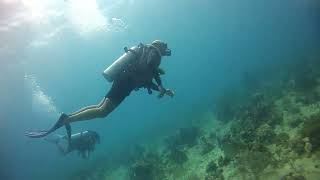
[
  {"x": 123, "y": 64},
  {"x": 79, "y": 135}
]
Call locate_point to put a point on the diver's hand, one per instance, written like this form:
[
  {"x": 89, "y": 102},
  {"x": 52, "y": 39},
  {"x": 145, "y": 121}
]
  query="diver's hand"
[
  {"x": 169, "y": 92},
  {"x": 164, "y": 91}
]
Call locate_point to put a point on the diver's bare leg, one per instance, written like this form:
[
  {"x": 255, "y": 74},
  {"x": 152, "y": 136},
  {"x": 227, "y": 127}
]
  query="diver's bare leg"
[
  {"x": 97, "y": 111},
  {"x": 91, "y": 113},
  {"x": 88, "y": 107}
]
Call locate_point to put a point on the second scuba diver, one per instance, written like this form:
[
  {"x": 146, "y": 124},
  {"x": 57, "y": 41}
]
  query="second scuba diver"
[
  {"x": 135, "y": 69},
  {"x": 83, "y": 142}
]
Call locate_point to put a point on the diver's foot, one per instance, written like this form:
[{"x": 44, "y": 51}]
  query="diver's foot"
[
  {"x": 61, "y": 121},
  {"x": 38, "y": 134}
]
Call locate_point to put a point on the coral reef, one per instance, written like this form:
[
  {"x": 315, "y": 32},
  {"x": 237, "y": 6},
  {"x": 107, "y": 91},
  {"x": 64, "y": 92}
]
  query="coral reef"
[
  {"x": 254, "y": 161},
  {"x": 297, "y": 146},
  {"x": 270, "y": 131},
  {"x": 259, "y": 110},
  {"x": 213, "y": 172},
  {"x": 150, "y": 167},
  {"x": 207, "y": 146},
  {"x": 95, "y": 172},
  {"x": 265, "y": 134},
  {"x": 293, "y": 176},
  {"x": 178, "y": 156},
  {"x": 223, "y": 161},
  {"x": 282, "y": 139},
  {"x": 136, "y": 152},
  {"x": 141, "y": 171},
  {"x": 184, "y": 137},
  {"x": 311, "y": 129}
]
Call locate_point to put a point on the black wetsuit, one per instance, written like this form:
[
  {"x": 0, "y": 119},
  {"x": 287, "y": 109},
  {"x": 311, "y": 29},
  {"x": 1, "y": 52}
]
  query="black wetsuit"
[{"x": 141, "y": 76}]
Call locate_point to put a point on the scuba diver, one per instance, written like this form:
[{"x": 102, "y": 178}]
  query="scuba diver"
[
  {"x": 135, "y": 69},
  {"x": 83, "y": 142}
]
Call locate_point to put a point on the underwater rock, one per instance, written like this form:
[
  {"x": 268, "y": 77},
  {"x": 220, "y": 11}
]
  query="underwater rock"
[
  {"x": 212, "y": 136},
  {"x": 257, "y": 147},
  {"x": 150, "y": 167},
  {"x": 311, "y": 129},
  {"x": 307, "y": 146},
  {"x": 295, "y": 122},
  {"x": 294, "y": 110},
  {"x": 282, "y": 139},
  {"x": 259, "y": 110},
  {"x": 207, "y": 146},
  {"x": 223, "y": 161},
  {"x": 275, "y": 117},
  {"x": 211, "y": 167},
  {"x": 230, "y": 146},
  {"x": 193, "y": 177},
  {"x": 246, "y": 135},
  {"x": 254, "y": 161},
  {"x": 152, "y": 157},
  {"x": 297, "y": 145},
  {"x": 136, "y": 152},
  {"x": 178, "y": 156},
  {"x": 213, "y": 172},
  {"x": 141, "y": 170},
  {"x": 265, "y": 134},
  {"x": 309, "y": 98},
  {"x": 293, "y": 176},
  {"x": 282, "y": 156},
  {"x": 184, "y": 137},
  {"x": 290, "y": 105},
  {"x": 214, "y": 177}
]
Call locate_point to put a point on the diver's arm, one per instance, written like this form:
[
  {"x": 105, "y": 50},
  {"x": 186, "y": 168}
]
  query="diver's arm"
[
  {"x": 154, "y": 61},
  {"x": 160, "y": 87},
  {"x": 154, "y": 87},
  {"x": 158, "y": 81}
]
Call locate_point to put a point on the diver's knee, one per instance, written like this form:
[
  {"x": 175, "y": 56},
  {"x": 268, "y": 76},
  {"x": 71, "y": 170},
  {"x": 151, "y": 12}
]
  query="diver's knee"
[
  {"x": 103, "y": 114},
  {"x": 107, "y": 107},
  {"x": 104, "y": 111}
]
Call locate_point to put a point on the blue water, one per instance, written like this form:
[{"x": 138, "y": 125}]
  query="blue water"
[{"x": 52, "y": 54}]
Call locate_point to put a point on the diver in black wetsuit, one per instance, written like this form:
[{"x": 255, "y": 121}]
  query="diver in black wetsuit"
[
  {"x": 138, "y": 73},
  {"x": 83, "y": 142}
]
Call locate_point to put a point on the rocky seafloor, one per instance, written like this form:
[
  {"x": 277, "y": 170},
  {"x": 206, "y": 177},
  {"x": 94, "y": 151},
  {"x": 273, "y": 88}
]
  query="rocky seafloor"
[{"x": 268, "y": 130}]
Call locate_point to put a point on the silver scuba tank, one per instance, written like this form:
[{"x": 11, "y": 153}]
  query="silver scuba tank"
[
  {"x": 123, "y": 63},
  {"x": 78, "y": 135}
]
